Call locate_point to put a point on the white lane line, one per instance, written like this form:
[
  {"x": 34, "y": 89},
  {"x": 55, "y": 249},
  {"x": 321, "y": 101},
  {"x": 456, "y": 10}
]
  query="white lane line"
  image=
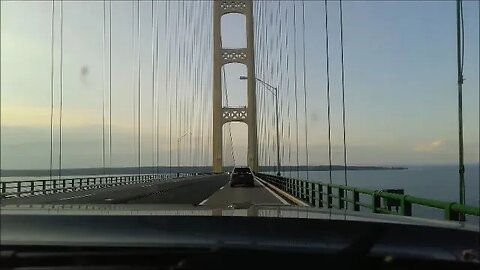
[
  {"x": 272, "y": 192},
  {"x": 222, "y": 187},
  {"x": 203, "y": 202},
  {"x": 76, "y": 197}
]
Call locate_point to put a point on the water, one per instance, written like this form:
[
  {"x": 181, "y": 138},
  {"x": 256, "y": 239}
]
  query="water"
[{"x": 432, "y": 182}]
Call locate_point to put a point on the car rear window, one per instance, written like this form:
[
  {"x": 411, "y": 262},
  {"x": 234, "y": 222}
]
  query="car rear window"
[{"x": 242, "y": 170}]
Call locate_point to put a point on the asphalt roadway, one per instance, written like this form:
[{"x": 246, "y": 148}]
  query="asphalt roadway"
[
  {"x": 188, "y": 190},
  {"x": 257, "y": 195},
  {"x": 209, "y": 190}
]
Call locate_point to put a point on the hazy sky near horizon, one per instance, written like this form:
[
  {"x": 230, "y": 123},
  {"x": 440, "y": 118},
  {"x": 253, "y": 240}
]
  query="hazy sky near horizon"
[{"x": 401, "y": 93}]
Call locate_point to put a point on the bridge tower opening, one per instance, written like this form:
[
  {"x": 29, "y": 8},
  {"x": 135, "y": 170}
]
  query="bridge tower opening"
[{"x": 223, "y": 56}]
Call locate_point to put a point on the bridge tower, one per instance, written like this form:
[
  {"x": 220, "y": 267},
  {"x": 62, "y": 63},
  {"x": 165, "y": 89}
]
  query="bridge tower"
[{"x": 223, "y": 56}]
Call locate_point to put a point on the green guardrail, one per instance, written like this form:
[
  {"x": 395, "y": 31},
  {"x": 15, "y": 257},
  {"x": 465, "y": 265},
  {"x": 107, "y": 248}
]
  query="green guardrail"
[{"x": 346, "y": 197}]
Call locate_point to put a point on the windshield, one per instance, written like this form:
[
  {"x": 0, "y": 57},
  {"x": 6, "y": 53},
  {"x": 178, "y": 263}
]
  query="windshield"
[
  {"x": 351, "y": 108},
  {"x": 241, "y": 170}
]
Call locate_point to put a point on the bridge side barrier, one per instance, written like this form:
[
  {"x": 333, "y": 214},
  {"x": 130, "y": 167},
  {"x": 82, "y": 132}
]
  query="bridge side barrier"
[
  {"x": 346, "y": 197},
  {"x": 49, "y": 186}
]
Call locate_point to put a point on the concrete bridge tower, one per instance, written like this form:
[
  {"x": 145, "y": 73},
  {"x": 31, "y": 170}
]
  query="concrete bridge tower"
[{"x": 223, "y": 56}]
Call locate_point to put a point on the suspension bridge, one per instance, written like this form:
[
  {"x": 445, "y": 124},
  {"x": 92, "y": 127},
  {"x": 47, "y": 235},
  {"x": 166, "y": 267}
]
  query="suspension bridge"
[{"x": 180, "y": 114}]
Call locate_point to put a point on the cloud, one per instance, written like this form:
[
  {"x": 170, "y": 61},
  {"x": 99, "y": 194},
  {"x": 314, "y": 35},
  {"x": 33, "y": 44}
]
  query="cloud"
[{"x": 431, "y": 147}]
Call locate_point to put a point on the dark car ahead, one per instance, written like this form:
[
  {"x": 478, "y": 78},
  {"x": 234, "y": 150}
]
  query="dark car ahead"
[{"x": 241, "y": 176}]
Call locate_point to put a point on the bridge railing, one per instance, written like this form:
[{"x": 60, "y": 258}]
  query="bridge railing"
[
  {"x": 48, "y": 186},
  {"x": 346, "y": 197}
]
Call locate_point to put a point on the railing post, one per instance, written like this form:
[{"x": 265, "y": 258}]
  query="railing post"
[
  {"x": 450, "y": 214},
  {"x": 54, "y": 185},
  {"x": 406, "y": 206},
  {"x": 375, "y": 201},
  {"x": 292, "y": 187},
  {"x": 44, "y": 188},
  {"x": 300, "y": 190},
  {"x": 305, "y": 190},
  {"x": 320, "y": 194},
  {"x": 329, "y": 196},
  {"x": 32, "y": 187},
  {"x": 312, "y": 193},
  {"x": 64, "y": 184},
  {"x": 297, "y": 188},
  {"x": 4, "y": 187},
  {"x": 19, "y": 187},
  {"x": 341, "y": 198},
  {"x": 356, "y": 200}
]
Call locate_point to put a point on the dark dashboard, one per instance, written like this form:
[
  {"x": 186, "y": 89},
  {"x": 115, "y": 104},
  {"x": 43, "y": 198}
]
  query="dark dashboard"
[{"x": 133, "y": 241}]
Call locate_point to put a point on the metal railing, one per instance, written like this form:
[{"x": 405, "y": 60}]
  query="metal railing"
[
  {"x": 345, "y": 197},
  {"x": 26, "y": 188}
]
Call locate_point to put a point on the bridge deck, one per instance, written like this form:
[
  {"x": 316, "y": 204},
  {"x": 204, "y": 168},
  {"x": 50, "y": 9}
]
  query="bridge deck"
[
  {"x": 258, "y": 194},
  {"x": 189, "y": 190},
  {"x": 211, "y": 190}
]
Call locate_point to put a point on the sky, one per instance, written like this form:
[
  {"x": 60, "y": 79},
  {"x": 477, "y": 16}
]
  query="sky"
[{"x": 400, "y": 76}]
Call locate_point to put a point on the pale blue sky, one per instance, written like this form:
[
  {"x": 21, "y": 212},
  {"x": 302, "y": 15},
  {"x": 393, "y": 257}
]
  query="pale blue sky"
[{"x": 400, "y": 60}]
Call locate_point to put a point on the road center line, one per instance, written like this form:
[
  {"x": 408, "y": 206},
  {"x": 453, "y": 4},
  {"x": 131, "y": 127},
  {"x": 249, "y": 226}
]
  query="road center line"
[
  {"x": 76, "y": 197},
  {"x": 203, "y": 202},
  {"x": 222, "y": 187}
]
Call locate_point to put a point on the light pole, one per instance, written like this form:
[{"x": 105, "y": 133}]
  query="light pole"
[
  {"x": 274, "y": 91},
  {"x": 178, "y": 150}
]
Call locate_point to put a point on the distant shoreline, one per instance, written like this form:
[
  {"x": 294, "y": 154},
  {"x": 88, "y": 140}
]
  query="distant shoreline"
[{"x": 163, "y": 169}]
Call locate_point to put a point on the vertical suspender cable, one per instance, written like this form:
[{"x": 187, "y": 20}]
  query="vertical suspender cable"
[
  {"x": 103, "y": 86},
  {"x": 460, "y": 58},
  {"x": 61, "y": 91},
  {"x": 158, "y": 92},
  {"x": 343, "y": 100},
  {"x": 305, "y": 90},
  {"x": 296, "y": 84},
  {"x": 134, "y": 84},
  {"x": 139, "y": 90},
  {"x": 110, "y": 83},
  {"x": 153, "y": 88},
  {"x": 51, "y": 87},
  {"x": 167, "y": 84},
  {"x": 328, "y": 95},
  {"x": 287, "y": 36}
]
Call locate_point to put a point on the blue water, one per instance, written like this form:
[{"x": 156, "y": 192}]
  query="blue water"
[{"x": 433, "y": 182}]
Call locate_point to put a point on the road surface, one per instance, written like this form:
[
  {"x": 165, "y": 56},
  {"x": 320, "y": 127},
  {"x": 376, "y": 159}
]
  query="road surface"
[
  {"x": 209, "y": 190},
  {"x": 257, "y": 195},
  {"x": 188, "y": 190}
]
